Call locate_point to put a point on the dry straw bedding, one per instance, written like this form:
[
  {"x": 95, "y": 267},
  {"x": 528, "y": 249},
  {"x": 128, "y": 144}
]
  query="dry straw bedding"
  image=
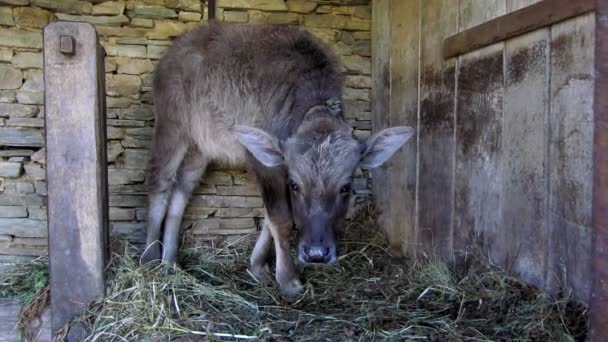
[{"x": 367, "y": 296}]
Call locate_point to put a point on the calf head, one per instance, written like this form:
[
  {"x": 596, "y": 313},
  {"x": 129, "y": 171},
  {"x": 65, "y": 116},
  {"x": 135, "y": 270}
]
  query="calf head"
[{"x": 321, "y": 158}]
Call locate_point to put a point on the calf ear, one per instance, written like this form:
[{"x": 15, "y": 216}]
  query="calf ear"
[
  {"x": 263, "y": 146},
  {"x": 378, "y": 148}
]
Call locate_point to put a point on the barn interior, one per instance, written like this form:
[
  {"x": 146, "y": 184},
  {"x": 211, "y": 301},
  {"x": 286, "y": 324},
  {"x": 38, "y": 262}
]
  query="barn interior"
[{"x": 490, "y": 218}]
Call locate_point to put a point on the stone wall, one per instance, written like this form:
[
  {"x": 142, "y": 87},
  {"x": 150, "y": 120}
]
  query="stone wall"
[{"x": 135, "y": 34}]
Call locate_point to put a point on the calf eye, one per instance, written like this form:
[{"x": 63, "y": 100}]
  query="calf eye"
[
  {"x": 346, "y": 189},
  {"x": 293, "y": 186}
]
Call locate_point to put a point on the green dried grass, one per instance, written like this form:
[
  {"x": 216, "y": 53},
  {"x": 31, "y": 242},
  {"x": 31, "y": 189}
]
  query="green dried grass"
[{"x": 368, "y": 296}]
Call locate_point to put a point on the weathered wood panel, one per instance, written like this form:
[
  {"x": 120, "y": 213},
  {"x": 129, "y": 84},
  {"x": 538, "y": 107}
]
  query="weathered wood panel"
[
  {"x": 404, "y": 57},
  {"x": 525, "y": 20},
  {"x": 523, "y": 233},
  {"x": 439, "y": 19},
  {"x": 76, "y": 170},
  {"x": 478, "y": 136},
  {"x": 380, "y": 96},
  {"x": 571, "y": 141}
]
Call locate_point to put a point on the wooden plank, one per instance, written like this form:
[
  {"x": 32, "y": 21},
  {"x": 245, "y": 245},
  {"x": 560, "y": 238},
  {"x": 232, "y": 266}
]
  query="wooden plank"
[
  {"x": 598, "y": 316},
  {"x": 380, "y": 97},
  {"x": 76, "y": 170},
  {"x": 571, "y": 161},
  {"x": 523, "y": 237},
  {"x": 404, "y": 57},
  {"x": 478, "y": 137},
  {"x": 525, "y": 20},
  {"x": 405, "y": 36},
  {"x": 439, "y": 19}
]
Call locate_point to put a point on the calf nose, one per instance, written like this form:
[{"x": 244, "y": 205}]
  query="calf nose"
[{"x": 317, "y": 254}]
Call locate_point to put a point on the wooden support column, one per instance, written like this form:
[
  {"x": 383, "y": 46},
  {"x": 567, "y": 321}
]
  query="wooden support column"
[
  {"x": 599, "y": 291},
  {"x": 76, "y": 167}
]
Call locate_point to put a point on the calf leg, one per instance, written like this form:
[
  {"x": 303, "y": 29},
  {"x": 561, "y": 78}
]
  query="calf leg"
[
  {"x": 286, "y": 274},
  {"x": 188, "y": 177},
  {"x": 259, "y": 256},
  {"x": 163, "y": 167}
]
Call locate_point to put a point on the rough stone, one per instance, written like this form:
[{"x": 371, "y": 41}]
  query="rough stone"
[
  {"x": 366, "y": 35},
  {"x": 109, "y": 8},
  {"x": 142, "y": 22},
  {"x": 156, "y": 51},
  {"x": 301, "y": 6},
  {"x": 363, "y": 12},
  {"x": 25, "y": 122},
  {"x": 35, "y": 171},
  {"x": 143, "y": 132},
  {"x": 32, "y": 91},
  {"x": 10, "y": 77},
  {"x": 23, "y": 227},
  {"x": 6, "y": 16},
  {"x": 358, "y": 81},
  {"x": 37, "y": 213},
  {"x": 142, "y": 112},
  {"x": 186, "y": 5},
  {"x": 125, "y": 50},
  {"x": 16, "y": 153},
  {"x": 356, "y": 94},
  {"x": 66, "y": 6},
  {"x": 7, "y": 96},
  {"x": 23, "y": 39},
  {"x": 150, "y": 11},
  {"x": 10, "y": 169},
  {"x": 12, "y": 211},
  {"x": 6, "y": 54},
  {"x": 118, "y": 102},
  {"x": 346, "y": 37},
  {"x": 24, "y": 188},
  {"x": 326, "y": 21},
  {"x": 28, "y": 60},
  {"x": 39, "y": 156},
  {"x": 263, "y": 5},
  {"x": 15, "y": 2},
  {"x": 123, "y": 85},
  {"x": 40, "y": 187},
  {"x": 125, "y": 123},
  {"x": 125, "y": 176},
  {"x": 115, "y": 20},
  {"x": 115, "y": 31},
  {"x": 115, "y": 133},
  {"x": 15, "y": 110},
  {"x": 363, "y": 48},
  {"x": 31, "y": 17},
  {"x": 358, "y": 24},
  {"x": 136, "y": 67},
  {"x": 137, "y": 159},
  {"x": 10, "y": 136},
  {"x": 217, "y": 178},
  {"x": 189, "y": 16},
  {"x": 122, "y": 214},
  {"x": 359, "y": 110},
  {"x": 357, "y": 64},
  {"x": 327, "y": 36},
  {"x": 164, "y": 29},
  {"x": 236, "y": 16},
  {"x": 284, "y": 18},
  {"x": 130, "y": 142},
  {"x": 115, "y": 149}
]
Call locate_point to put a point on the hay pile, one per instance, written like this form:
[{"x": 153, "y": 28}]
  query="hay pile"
[{"x": 367, "y": 296}]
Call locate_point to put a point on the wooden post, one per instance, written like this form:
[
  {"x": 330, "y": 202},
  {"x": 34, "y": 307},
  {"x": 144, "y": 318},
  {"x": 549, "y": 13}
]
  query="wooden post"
[
  {"x": 76, "y": 167},
  {"x": 599, "y": 292}
]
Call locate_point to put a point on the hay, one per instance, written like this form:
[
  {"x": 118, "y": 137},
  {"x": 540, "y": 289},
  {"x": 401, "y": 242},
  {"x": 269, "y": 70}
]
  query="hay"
[{"x": 367, "y": 296}]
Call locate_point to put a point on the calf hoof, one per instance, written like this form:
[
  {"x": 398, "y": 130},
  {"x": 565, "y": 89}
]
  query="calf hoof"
[
  {"x": 151, "y": 253},
  {"x": 291, "y": 288},
  {"x": 261, "y": 273}
]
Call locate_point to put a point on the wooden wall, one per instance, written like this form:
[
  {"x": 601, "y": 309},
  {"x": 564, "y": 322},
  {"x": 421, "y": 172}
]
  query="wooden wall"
[{"x": 503, "y": 155}]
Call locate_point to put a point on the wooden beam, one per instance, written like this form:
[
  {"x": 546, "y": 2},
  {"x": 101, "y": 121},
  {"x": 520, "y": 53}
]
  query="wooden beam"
[
  {"x": 527, "y": 19},
  {"x": 599, "y": 291},
  {"x": 76, "y": 167}
]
